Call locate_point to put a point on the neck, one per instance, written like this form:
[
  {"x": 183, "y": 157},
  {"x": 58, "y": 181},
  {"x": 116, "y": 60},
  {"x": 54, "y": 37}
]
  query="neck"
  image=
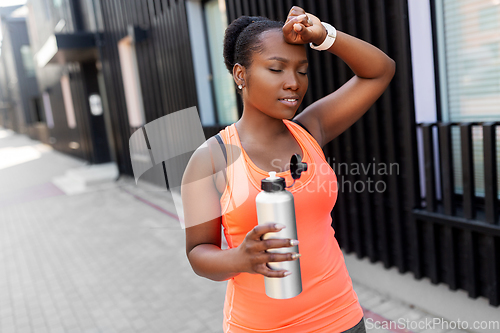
[{"x": 259, "y": 127}]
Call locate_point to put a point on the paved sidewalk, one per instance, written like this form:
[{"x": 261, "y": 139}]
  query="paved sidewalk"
[{"x": 109, "y": 260}]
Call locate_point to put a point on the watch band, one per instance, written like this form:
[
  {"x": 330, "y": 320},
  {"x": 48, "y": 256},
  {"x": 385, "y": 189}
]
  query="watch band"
[{"x": 331, "y": 34}]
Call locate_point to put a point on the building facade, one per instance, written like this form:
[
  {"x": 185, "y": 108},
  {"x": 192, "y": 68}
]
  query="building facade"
[{"x": 18, "y": 84}]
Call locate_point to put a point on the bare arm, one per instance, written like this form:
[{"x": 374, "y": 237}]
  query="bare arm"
[
  {"x": 202, "y": 215},
  {"x": 207, "y": 259},
  {"x": 331, "y": 115}
]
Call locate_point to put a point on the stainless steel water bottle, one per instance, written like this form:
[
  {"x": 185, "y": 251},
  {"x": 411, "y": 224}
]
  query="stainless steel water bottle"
[{"x": 276, "y": 205}]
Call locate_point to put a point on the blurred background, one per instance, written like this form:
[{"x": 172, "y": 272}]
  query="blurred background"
[{"x": 85, "y": 249}]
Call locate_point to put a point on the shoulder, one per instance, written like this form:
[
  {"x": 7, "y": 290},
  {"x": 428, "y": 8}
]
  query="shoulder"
[
  {"x": 202, "y": 162},
  {"x": 209, "y": 161},
  {"x": 197, "y": 166}
]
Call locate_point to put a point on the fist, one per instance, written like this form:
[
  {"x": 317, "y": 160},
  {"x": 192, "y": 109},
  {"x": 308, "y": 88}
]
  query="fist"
[{"x": 303, "y": 28}]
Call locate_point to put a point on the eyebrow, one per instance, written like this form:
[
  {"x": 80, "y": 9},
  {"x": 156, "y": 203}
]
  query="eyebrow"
[{"x": 286, "y": 60}]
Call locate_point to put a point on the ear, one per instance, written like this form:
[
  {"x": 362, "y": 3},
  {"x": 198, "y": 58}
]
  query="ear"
[{"x": 239, "y": 73}]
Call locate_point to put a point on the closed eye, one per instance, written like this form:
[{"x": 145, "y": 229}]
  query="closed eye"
[{"x": 278, "y": 70}]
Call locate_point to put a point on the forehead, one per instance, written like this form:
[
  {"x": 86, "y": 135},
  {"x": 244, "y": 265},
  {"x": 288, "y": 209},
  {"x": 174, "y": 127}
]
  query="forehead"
[{"x": 274, "y": 45}]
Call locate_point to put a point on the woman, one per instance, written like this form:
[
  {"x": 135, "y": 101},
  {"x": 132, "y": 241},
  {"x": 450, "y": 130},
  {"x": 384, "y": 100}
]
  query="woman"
[{"x": 269, "y": 66}]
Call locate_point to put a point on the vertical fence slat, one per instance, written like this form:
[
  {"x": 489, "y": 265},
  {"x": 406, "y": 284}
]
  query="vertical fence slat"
[
  {"x": 490, "y": 173},
  {"x": 430, "y": 249},
  {"x": 253, "y": 9},
  {"x": 493, "y": 290},
  {"x": 181, "y": 72},
  {"x": 317, "y": 69},
  {"x": 467, "y": 170},
  {"x": 153, "y": 83},
  {"x": 166, "y": 50},
  {"x": 281, "y": 11},
  {"x": 430, "y": 180},
  {"x": 230, "y": 11},
  {"x": 365, "y": 148},
  {"x": 238, "y": 10},
  {"x": 352, "y": 198},
  {"x": 450, "y": 258},
  {"x": 246, "y": 7},
  {"x": 470, "y": 251},
  {"x": 190, "y": 92},
  {"x": 381, "y": 26},
  {"x": 340, "y": 205},
  {"x": 448, "y": 185},
  {"x": 263, "y": 9},
  {"x": 403, "y": 97}
]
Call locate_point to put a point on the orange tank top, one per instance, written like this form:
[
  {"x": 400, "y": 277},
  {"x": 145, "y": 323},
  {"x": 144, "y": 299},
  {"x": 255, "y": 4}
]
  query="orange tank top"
[{"x": 327, "y": 302}]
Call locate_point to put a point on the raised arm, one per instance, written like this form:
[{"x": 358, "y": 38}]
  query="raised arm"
[{"x": 331, "y": 115}]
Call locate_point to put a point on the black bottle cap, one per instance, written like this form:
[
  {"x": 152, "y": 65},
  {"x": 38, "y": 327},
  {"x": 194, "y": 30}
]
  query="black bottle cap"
[
  {"x": 275, "y": 184},
  {"x": 297, "y": 166}
]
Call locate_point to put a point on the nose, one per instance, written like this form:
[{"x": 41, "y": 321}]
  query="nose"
[{"x": 292, "y": 81}]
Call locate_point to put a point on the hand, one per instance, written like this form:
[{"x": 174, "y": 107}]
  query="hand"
[
  {"x": 303, "y": 28},
  {"x": 253, "y": 253}
]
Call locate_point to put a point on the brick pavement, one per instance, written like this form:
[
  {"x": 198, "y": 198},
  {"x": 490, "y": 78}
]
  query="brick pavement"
[{"x": 99, "y": 262}]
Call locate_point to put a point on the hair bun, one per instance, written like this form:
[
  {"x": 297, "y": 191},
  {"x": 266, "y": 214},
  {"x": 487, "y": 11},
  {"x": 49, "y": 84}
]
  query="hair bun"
[{"x": 231, "y": 36}]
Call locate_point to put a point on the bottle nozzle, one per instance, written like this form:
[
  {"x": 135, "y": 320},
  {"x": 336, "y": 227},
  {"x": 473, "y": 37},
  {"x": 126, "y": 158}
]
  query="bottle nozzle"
[
  {"x": 272, "y": 175},
  {"x": 273, "y": 183}
]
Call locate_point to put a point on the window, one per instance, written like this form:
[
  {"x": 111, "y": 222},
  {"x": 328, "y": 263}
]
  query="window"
[
  {"x": 468, "y": 38},
  {"x": 131, "y": 82},
  {"x": 48, "y": 109},
  {"x": 68, "y": 101},
  {"x": 207, "y": 22},
  {"x": 28, "y": 62},
  {"x": 223, "y": 83}
]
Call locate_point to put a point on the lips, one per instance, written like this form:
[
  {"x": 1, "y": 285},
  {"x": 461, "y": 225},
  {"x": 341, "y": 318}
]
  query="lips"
[
  {"x": 289, "y": 101},
  {"x": 290, "y": 97}
]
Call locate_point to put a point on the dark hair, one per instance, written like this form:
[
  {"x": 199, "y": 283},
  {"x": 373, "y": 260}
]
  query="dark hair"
[{"x": 242, "y": 39}]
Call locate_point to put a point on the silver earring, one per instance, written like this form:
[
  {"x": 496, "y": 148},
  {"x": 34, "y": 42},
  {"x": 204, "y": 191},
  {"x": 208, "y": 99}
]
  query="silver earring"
[{"x": 240, "y": 86}]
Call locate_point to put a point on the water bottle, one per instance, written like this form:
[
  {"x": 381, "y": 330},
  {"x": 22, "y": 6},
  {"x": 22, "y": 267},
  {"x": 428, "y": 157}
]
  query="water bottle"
[{"x": 276, "y": 205}]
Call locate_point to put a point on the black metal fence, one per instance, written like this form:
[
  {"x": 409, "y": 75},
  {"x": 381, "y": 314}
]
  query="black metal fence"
[
  {"x": 164, "y": 59},
  {"x": 459, "y": 233}
]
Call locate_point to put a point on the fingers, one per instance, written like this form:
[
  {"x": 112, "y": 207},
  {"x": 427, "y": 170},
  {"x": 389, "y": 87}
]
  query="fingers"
[
  {"x": 257, "y": 235},
  {"x": 262, "y": 229},
  {"x": 279, "y": 257},
  {"x": 259, "y": 252},
  {"x": 296, "y": 11},
  {"x": 259, "y": 263},
  {"x": 297, "y": 24},
  {"x": 300, "y": 22},
  {"x": 301, "y": 19},
  {"x": 266, "y": 271},
  {"x": 275, "y": 243}
]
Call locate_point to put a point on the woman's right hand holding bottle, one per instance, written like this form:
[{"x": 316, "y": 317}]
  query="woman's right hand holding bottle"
[{"x": 253, "y": 251}]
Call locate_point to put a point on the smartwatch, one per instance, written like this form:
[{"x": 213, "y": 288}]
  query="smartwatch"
[{"x": 331, "y": 34}]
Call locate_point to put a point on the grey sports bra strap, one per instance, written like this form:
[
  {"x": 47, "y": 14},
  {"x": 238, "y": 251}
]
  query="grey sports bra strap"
[{"x": 222, "y": 147}]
